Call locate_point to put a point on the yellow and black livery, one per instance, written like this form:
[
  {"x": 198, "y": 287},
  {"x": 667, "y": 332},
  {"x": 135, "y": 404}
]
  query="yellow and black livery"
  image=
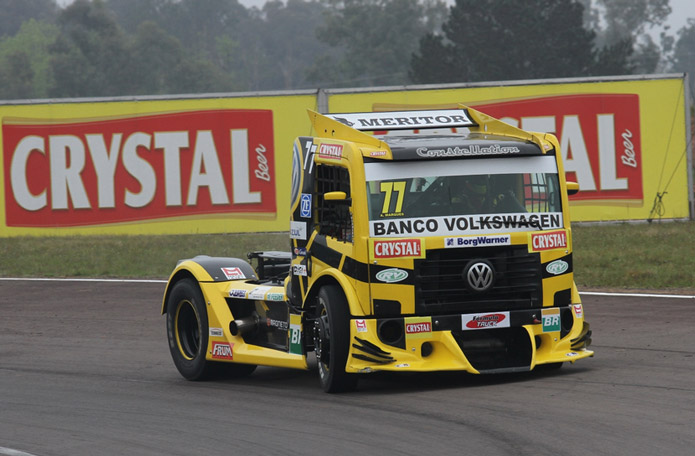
[{"x": 440, "y": 240}]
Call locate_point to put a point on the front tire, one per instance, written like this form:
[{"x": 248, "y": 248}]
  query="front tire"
[{"x": 331, "y": 340}]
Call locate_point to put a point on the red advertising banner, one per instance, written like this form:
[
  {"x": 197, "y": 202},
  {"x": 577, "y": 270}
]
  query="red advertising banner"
[
  {"x": 95, "y": 172},
  {"x": 599, "y": 137}
]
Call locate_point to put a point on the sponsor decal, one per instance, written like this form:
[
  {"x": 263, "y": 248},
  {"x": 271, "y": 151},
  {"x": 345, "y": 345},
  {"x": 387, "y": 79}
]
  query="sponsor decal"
[
  {"x": 447, "y": 118},
  {"x": 295, "y": 338},
  {"x": 473, "y": 150},
  {"x": 233, "y": 273},
  {"x": 298, "y": 230},
  {"x": 477, "y": 241},
  {"x": 485, "y": 320},
  {"x": 216, "y": 332},
  {"x": 557, "y": 267},
  {"x": 551, "y": 320},
  {"x": 299, "y": 270},
  {"x": 300, "y": 251},
  {"x": 599, "y": 137},
  {"x": 95, "y": 172},
  {"x": 305, "y": 206},
  {"x": 548, "y": 241},
  {"x": 402, "y": 365},
  {"x": 330, "y": 150},
  {"x": 578, "y": 310},
  {"x": 418, "y": 327},
  {"x": 469, "y": 224},
  {"x": 572, "y": 354},
  {"x": 361, "y": 326},
  {"x": 392, "y": 275},
  {"x": 377, "y": 153},
  {"x": 400, "y": 248},
  {"x": 222, "y": 350},
  {"x": 237, "y": 293},
  {"x": 275, "y": 297},
  {"x": 258, "y": 293},
  {"x": 282, "y": 325}
]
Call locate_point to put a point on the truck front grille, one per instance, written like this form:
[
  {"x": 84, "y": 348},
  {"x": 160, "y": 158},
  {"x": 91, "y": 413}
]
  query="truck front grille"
[{"x": 440, "y": 285}]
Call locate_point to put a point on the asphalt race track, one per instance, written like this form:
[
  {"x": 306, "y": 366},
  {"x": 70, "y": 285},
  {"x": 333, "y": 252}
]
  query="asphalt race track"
[{"x": 85, "y": 370}]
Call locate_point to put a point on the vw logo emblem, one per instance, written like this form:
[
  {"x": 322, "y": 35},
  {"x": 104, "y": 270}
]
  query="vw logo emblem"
[{"x": 479, "y": 275}]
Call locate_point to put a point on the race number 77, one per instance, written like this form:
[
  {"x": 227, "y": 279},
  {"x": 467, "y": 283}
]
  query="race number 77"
[{"x": 388, "y": 188}]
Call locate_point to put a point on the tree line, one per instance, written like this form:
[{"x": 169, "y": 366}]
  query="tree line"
[{"x": 96, "y": 48}]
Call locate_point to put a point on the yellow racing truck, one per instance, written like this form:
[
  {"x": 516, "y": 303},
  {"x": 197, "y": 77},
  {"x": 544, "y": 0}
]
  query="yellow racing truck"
[{"x": 439, "y": 241}]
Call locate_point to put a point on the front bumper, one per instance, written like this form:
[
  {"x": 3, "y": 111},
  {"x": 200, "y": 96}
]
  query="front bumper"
[{"x": 506, "y": 341}]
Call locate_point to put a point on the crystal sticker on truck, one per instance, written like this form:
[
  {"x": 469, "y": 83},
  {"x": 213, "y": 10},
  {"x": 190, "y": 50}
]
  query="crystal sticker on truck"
[
  {"x": 397, "y": 248},
  {"x": 548, "y": 241},
  {"x": 418, "y": 327}
]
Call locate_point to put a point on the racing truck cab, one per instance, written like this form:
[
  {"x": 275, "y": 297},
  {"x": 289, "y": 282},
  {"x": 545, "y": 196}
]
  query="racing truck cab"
[{"x": 448, "y": 247}]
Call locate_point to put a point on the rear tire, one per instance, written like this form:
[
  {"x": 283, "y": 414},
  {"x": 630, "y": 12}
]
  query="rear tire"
[
  {"x": 331, "y": 340},
  {"x": 187, "y": 330}
]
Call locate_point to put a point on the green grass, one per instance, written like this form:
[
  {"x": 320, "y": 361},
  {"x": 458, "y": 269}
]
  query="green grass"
[
  {"x": 657, "y": 256},
  {"x": 122, "y": 256}
]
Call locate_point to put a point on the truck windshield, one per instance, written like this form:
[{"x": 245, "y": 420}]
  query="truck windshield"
[{"x": 441, "y": 197}]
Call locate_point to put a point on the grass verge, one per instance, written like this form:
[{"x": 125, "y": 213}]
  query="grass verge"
[{"x": 657, "y": 256}]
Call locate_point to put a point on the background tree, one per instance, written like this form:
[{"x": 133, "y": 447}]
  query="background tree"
[
  {"x": 632, "y": 20},
  {"x": 494, "y": 40},
  {"x": 373, "y": 40},
  {"x": 25, "y": 68},
  {"x": 684, "y": 51},
  {"x": 13, "y": 13},
  {"x": 90, "y": 56}
]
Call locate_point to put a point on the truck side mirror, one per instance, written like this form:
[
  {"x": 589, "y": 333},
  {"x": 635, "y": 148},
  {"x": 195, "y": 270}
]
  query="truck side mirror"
[
  {"x": 335, "y": 196},
  {"x": 572, "y": 188}
]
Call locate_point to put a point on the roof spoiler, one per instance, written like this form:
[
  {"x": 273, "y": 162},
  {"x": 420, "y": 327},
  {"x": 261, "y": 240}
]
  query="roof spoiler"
[{"x": 351, "y": 126}]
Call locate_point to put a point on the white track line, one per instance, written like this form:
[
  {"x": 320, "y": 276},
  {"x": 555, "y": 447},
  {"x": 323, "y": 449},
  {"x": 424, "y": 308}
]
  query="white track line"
[
  {"x": 587, "y": 293},
  {"x": 48, "y": 279},
  {"x": 11, "y": 452}
]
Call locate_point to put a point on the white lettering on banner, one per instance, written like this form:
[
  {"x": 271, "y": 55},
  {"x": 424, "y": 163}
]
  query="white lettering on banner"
[
  {"x": 171, "y": 143},
  {"x": 469, "y": 224},
  {"x": 67, "y": 156},
  {"x": 105, "y": 166},
  {"x": 629, "y": 152},
  {"x": 18, "y": 173},
  {"x": 606, "y": 154},
  {"x": 572, "y": 140},
  {"x": 205, "y": 158},
  {"x": 66, "y": 178},
  {"x": 262, "y": 171},
  {"x": 240, "y": 171}
]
